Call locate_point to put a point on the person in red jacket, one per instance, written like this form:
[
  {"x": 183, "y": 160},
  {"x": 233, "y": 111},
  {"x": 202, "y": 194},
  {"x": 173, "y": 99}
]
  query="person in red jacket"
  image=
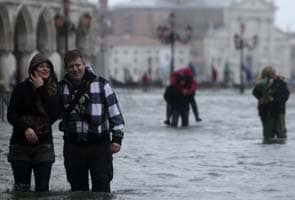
[{"x": 189, "y": 90}]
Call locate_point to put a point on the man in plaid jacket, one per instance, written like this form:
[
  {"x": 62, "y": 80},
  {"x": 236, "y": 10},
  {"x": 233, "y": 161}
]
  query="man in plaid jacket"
[{"x": 93, "y": 128}]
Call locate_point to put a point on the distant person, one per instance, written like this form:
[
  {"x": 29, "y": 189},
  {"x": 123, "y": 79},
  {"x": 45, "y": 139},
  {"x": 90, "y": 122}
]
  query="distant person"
[
  {"x": 189, "y": 91},
  {"x": 145, "y": 81},
  {"x": 178, "y": 102},
  {"x": 92, "y": 125},
  {"x": 31, "y": 111},
  {"x": 272, "y": 94}
]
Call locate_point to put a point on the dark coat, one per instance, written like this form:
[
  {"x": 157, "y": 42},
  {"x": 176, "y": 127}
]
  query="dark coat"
[
  {"x": 34, "y": 108},
  {"x": 278, "y": 90},
  {"x": 23, "y": 103},
  {"x": 281, "y": 95},
  {"x": 175, "y": 99}
]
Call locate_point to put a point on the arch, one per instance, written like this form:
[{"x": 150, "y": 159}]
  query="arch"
[
  {"x": 23, "y": 31},
  {"x": 24, "y": 41},
  {"x": 83, "y": 40},
  {"x": 5, "y": 29},
  {"x": 46, "y": 36}
]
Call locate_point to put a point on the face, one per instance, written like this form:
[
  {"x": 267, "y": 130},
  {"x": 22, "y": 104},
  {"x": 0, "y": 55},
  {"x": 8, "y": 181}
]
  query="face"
[
  {"x": 43, "y": 70},
  {"x": 76, "y": 69}
]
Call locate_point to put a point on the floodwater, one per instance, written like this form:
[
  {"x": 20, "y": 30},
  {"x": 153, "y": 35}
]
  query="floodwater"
[{"x": 220, "y": 158}]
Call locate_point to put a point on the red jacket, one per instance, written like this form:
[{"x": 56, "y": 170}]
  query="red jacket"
[{"x": 192, "y": 86}]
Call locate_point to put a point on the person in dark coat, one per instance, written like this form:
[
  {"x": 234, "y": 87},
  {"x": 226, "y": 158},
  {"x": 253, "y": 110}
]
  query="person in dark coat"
[
  {"x": 272, "y": 93},
  {"x": 188, "y": 91},
  {"x": 31, "y": 111},
  {"x": 177, "y": 101}
]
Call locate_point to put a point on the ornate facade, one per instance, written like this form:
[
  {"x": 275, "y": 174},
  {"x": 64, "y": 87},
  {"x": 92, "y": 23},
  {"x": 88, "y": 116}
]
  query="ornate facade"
[{"x": 30, "y": 26}]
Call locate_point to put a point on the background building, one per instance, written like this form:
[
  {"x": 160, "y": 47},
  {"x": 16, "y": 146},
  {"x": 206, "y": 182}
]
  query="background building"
[
  {"x": 273, "y": 47},
  {"x": 214, "y": 25},
  {"x": 130, "y": 58}
]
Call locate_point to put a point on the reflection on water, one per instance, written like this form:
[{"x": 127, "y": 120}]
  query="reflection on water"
[{"x": 221, "y": 158}]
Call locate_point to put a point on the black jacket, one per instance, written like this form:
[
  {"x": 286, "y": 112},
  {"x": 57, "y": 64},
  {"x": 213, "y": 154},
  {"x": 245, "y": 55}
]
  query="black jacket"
[
  {"x": 175, "y": 99},
  {"x": 280, "y": 95},
  {"x": 23, "y": 104}
]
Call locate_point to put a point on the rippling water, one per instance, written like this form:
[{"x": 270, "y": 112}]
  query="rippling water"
[{"x": 221, "y": 158}]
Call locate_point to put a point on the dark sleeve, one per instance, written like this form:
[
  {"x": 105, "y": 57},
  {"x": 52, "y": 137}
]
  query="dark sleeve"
[
  {"x": 51, "y": 102},
  {"x": 256, "y": 92},
  {"x": 281, "y": 93},
  {"x": 14, "y": 110},
  {"x": 166, "y": 94}
]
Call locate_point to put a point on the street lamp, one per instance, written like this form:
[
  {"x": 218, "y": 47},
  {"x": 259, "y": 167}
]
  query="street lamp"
[
  {"x": 241, "y": 43},
  {"x": 168, "y": 35}
]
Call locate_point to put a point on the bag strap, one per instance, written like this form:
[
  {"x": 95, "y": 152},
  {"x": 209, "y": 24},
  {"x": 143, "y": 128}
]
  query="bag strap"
[{"x": 81, "y": 90}]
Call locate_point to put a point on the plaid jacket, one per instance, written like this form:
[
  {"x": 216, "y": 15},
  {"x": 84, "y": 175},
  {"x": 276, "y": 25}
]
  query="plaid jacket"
[{"x": 101, "y": 114}]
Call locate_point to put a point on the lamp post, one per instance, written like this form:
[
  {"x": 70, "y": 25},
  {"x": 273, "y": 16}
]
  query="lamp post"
[
  {"x": 241, "y": 43},
  {"x": 168, "y": 35}
]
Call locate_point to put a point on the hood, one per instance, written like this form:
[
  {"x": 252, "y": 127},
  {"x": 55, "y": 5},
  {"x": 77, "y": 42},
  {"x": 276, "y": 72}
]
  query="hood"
[{"x": 38, "y": 59}]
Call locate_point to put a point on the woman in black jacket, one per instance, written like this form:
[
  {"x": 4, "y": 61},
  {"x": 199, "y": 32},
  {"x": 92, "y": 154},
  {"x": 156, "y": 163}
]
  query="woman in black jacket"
[{"x": 33, "y": 108}]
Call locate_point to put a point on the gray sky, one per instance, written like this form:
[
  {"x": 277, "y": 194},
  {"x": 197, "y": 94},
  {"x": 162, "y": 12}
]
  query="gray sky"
[{"x": 285, "y": 19}]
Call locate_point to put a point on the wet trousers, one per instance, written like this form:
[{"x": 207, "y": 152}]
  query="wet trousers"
[
  {"x": 22, "y": 171},
  {"x": 274, "y": 126},
  {"x": 80, "y": 159},
  {"x": 183, "y": 113},
  {"x": 173, "y": 115},
  {"x": 194, "y": 106}
]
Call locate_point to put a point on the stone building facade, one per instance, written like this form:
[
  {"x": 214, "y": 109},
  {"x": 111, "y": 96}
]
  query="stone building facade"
[
  {"x": 31, "y": 26},
  {"x": 214, "y": 24},
  {"x": 132, "y": 57},
  {"x": 273, "y": 47}
]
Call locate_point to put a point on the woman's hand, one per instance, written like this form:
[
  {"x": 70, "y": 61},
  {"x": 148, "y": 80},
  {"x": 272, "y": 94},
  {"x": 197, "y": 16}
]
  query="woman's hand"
[
  {"x": 36, "y": 80},
  {"x": 31, "y": 136}
]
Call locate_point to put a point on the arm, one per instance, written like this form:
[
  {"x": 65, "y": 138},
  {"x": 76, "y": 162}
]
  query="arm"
[
  {"x": 14, "y": 116},
  {"x": 13, "y": 112},
  {"x": 115, "y": 117},
  {"x": 281, "y": 93}
]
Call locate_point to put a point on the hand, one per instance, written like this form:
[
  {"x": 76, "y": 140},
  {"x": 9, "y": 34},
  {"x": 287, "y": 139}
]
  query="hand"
[
  {"x": 265, "y": 99},
  {"x": 36, "y": 80},
  {"x": 115, "y": 147},
  {"x": 31, "y": 136}
]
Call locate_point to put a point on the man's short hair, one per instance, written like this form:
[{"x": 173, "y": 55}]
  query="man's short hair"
[{"x": 72, "y": 55}]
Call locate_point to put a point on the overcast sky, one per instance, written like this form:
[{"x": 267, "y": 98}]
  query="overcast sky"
[{"x": 285, "y": 16}]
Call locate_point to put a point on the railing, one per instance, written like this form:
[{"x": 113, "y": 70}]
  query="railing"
[{"x": 4, "y": 101}]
